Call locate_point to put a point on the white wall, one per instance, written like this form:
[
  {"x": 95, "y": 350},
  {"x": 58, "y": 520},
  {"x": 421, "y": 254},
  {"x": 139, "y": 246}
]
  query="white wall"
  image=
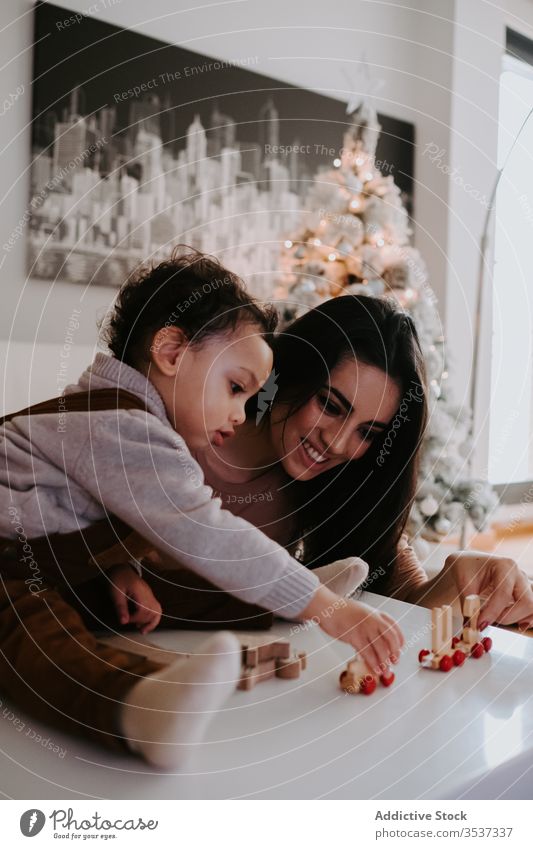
[{"x": 439, "y": 60}]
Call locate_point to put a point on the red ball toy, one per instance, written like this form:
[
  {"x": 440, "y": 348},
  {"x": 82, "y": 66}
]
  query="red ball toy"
[
  {"x": 368, "y": 685},
  {"x": 487, "y": 643},
  {"x": 446, "y": 663}
]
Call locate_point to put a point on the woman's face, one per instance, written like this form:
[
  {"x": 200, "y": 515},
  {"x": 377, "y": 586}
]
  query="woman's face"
[{"x": 339, "y": 423}]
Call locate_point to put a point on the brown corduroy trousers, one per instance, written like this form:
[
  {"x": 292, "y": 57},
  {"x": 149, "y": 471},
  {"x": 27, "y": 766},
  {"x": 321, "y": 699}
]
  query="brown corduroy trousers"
[{"x": 53, "y": 666}]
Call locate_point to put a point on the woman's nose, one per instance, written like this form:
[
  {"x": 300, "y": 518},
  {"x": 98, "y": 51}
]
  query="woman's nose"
[{"x": 337, "y": 442}]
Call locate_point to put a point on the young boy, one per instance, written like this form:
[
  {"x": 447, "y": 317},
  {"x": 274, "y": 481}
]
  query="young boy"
[{"x": 189, "y": 349}]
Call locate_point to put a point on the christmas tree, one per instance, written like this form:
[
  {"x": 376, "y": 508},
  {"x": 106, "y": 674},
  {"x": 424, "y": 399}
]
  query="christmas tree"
[{"x": 354, "y": 239}]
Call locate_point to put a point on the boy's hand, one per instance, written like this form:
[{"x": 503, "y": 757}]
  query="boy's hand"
[
  {"x": 127, "y": 585},
  {"x": 374, "y": 635}
]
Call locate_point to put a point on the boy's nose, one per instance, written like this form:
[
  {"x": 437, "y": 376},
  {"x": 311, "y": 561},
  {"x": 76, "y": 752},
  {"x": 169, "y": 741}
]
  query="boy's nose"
[{"x": 238, "y": 415}]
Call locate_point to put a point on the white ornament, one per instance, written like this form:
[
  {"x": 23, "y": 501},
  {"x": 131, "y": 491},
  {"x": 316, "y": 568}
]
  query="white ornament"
[
  {"x": 429, "y": 506},
  {"x": 442, "y": 526}
]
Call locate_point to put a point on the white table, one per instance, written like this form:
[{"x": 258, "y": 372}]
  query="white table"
[{"x": 422, "y": 738}]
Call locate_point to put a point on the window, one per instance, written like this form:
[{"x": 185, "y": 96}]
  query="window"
[{"x": 511, "y": 420}]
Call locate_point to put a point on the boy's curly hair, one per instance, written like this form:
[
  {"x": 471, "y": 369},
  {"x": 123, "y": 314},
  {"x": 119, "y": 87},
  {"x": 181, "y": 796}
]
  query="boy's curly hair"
[{"x": 190, "y": 290}]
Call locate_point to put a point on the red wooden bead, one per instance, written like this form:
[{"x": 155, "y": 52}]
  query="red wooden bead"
[
  {"x": 446, "y": 663},
  {"x": 368, "y": 685},
  {"x": 455, "y": 640},
  {"x": 422, "y": 654},
  {"x": 487, "y": 643},
  {"x": 387, "y": 678},
  {"x": 477, "y": 650},
  {"x": 459, "y": 657}
]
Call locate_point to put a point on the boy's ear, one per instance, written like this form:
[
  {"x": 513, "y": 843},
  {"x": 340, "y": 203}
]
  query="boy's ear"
[{"x": 167, "y": 345}]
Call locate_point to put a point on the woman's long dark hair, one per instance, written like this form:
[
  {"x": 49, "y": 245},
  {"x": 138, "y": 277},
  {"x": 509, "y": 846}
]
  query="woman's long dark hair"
[{"x": 361, "y": 507}]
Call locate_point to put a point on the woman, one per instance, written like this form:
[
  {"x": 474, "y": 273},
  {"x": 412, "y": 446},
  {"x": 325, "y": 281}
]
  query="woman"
[{"x": 329, "y": 470}]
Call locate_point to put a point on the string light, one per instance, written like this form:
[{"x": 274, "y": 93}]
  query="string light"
[
  {"x": 288, "y": 243},
  {"x": 337, "y": 163},
  {"x": 317, "y": 242},
  {"x": 354, "y": 204},
  {"x": 332, "y": 257}
]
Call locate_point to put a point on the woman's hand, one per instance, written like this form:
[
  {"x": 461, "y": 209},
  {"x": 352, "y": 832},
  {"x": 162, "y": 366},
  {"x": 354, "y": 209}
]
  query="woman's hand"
[
  {"x": 507, "y": 596},
  {"x": 127, "y": 585},
  {"x": 374, "y": 635}
]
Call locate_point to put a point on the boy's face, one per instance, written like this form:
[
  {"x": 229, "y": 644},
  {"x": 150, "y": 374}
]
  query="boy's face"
[{"x": 205, "y": 387}]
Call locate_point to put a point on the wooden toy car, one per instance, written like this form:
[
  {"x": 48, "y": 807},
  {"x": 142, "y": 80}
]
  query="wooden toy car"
[
  {"x": 447, "y": 651},
  {"x": 264, "y": 658},
  {"x": 357, "y": 678}
]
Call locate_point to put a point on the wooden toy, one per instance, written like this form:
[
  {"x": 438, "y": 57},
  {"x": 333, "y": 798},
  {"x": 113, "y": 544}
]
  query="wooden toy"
[
  {"x": 357, "y": 678},
  {"x": 264, "y": 658},
  {"x": 446, "y": 650}
]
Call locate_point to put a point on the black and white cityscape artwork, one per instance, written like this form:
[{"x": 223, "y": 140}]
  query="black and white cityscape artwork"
[{"x": 139, "y": 145}]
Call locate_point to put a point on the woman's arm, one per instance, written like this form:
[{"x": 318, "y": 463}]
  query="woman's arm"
[{"x": 505, "y": 589}]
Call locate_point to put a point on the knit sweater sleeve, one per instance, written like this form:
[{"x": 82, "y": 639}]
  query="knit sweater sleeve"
[
  {"x": 408, "y": 572},
  {"x": 142, "y": 471}
]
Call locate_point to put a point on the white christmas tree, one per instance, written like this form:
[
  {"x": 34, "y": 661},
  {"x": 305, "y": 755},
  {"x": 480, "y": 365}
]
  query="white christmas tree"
[{"x": 354, "y": 239}]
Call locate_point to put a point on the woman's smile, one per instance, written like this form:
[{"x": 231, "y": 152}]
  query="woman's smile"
[{"x": 311, "y": 456}]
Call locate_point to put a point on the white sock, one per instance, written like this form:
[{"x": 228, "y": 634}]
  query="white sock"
[
  {"x": 168, "y": 712},
  {"x": 343, "y": 576}
]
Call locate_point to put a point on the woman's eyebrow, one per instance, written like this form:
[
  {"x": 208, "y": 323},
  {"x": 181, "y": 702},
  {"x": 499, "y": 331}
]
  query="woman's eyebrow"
[{"x": 344, "y": 401}]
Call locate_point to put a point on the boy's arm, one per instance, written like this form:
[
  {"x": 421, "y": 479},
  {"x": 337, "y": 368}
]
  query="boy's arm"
[{"x": 142, "y": 472}]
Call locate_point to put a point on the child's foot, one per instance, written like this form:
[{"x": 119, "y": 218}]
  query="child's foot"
[
  {"x": 168, "y": 712},
  {"x": 343, "y": 576}
]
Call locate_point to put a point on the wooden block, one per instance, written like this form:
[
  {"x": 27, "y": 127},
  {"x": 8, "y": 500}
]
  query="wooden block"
[
  {"x": 252, "y": 675},
  {"x": 436, "y": 629},
  {"x": 470, "y": 636},
  {"x": 350, "y": 680},
  {"x": 471, "y": 608},
  {"x": 447, "y": 628},
  {"x": 281, "y": 649},
  {"x": 357, "y": 668},
  {"x": 290, "y": 667},
  {"x": 250, "y": 656},
  {"x": 259, "y": 648},
  {"x": 303, "y": 659},
  {"x": 247, "y": 679},
  {"x": 349, "y": 683}
]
